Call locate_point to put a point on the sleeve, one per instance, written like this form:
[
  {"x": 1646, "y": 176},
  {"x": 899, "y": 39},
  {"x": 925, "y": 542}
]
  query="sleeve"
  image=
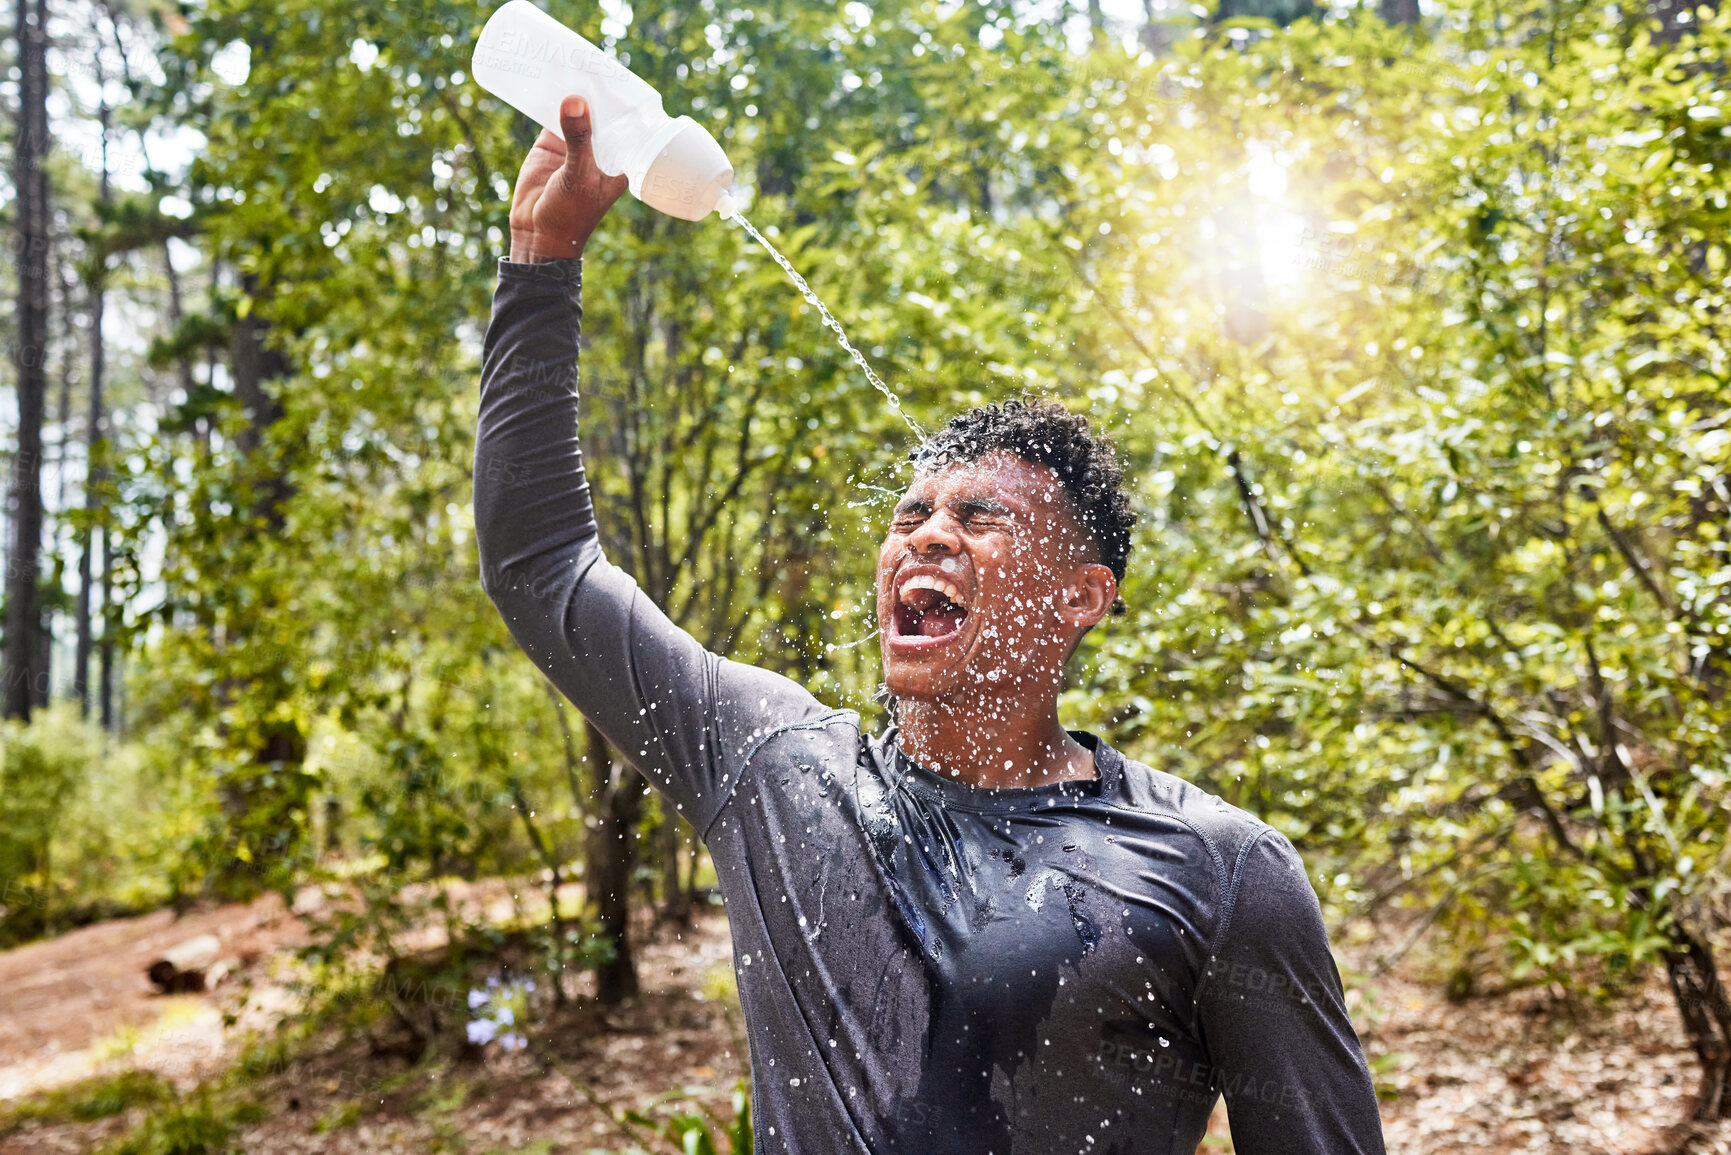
[
  {"x": 678, "y": 712},
  {"x": 1273, "y": 1016}
]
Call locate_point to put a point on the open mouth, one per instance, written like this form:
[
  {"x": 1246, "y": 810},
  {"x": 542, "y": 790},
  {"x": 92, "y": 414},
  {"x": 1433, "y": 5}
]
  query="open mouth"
[{"x": 929, "y": 607}]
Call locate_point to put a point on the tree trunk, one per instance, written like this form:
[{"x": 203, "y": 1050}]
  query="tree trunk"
[
  {"x": 30, "y": 182},
  {"x": 1676, "y": 18},
  {"x": 675, "y": 900},
  {"x": 63, "y": 410},
  {"x": 1701, "y": 999},
  {"x": 618, "y": 799},
  {"x": 1157, "y": 35},
  {"x": 182, "y": 362},
  {"x": 105, "y": 651},
  {"x": 281, "y": 745},
  {"x": 693, "y": 860},
  {"x": 42, "y": 675},
  {"x": 210, "y": 351},
  {"x": 93, "y": 433},
  {"x": 254, "y": 364}
]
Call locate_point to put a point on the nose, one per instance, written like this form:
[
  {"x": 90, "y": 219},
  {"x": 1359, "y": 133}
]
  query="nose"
[{"x": 936, "y": 534}]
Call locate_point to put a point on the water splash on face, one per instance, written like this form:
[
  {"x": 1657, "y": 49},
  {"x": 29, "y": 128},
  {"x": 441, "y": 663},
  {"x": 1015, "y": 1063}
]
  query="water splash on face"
[{"x": 823, "y": 311}]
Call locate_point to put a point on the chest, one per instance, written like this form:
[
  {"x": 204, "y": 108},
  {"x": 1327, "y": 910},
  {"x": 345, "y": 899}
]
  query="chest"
[
  {"x": 1067, "y": 908},
  {"x": 1063, "y": 913}
]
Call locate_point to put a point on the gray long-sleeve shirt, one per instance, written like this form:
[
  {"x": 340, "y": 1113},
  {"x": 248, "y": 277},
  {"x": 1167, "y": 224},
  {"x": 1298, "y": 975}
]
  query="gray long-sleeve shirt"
[{"x": 924, "y": 966}]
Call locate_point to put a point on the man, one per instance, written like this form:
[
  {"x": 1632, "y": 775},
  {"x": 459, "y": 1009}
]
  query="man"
[{"x": 977, "y": 932}]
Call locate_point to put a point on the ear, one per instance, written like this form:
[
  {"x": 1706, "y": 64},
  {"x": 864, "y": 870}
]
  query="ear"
[{"x": 1088, "y": 596}]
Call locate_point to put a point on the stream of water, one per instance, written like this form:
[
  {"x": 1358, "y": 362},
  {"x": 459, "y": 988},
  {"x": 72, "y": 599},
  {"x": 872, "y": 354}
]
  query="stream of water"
[{"x": 811, "y": 297}]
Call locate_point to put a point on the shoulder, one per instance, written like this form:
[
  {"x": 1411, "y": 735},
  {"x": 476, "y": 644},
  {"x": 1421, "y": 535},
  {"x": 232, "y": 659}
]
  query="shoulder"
[
  {"x": 756, "y": 706},
  {"x": 1264, "y": 898},
  {"x": 1228, "y": 831}
]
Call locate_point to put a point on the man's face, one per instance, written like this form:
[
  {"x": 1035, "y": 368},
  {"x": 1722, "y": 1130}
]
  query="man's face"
[{"x": 972, "y": 580}]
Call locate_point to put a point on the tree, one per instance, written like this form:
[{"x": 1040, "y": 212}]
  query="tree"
[
  {"x": 1497, "y": 378},
  {"x": 93, "y": 437},
  {"x": 25, "y": 660}
]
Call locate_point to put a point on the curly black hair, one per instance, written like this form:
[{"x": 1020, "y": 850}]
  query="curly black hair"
[{"x": 1046, "y": 433}]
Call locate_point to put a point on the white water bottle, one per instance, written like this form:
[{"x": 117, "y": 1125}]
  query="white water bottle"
[{"x": 532, "y": 62}]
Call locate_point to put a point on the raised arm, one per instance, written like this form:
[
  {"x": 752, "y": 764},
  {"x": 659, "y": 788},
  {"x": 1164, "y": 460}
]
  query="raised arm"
[
  {"x": 676, "y": 711},
  {"x": 1274, "y": 1019}
]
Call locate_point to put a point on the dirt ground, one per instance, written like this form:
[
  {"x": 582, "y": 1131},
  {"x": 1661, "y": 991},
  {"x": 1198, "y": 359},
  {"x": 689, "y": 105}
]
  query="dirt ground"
[
  {"x": 1515, "y": 1073},
  {"x": 1525, "y": 1072},
  {"x": 78, "y": 1001}
]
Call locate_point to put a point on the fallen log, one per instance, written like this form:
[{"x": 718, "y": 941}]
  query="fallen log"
[{"x": 197, "y": 964}]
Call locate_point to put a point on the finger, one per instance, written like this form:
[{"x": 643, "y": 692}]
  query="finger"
[
  {"x": 580, "y": 164},
  {"x": 549, "y": 145},
  {"x": 574, "y": 119},
  {"x": 545, "y": 158}
]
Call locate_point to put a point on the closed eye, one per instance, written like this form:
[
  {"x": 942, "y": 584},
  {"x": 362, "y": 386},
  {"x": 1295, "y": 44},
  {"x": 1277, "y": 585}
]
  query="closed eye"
[
  {"x": 910, "y": 513},
  {"x": 974, "y": 514},
  {"x": 978, "y": 514}
]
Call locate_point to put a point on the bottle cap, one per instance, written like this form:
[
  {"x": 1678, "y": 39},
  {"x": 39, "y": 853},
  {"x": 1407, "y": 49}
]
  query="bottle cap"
[{"x": 688, "y": 175}]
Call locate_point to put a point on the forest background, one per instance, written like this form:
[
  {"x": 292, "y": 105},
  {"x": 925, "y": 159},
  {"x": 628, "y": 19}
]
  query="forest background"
[{"x": 1404, "y": 318}]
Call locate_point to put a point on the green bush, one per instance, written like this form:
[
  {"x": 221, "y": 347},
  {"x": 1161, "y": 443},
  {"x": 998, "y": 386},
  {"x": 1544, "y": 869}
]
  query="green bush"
[
  {"x": 42, "y": 765},
  {"x": 94, "y": 1098},
  {"x": 204, "y": 1127},
  {"x": 91, "y": 827}
]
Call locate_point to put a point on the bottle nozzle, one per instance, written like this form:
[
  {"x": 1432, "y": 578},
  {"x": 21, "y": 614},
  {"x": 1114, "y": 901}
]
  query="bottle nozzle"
[{"x": 726, "y": 205}]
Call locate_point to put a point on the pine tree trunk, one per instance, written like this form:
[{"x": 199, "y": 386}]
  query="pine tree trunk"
[
  {"x": 105, "y": 651},
  {"x": 22, "y": 656},
  {"x": 42, "y": 673},
  {"x": 63, "y": 408},
  {"x": 93, "y": 433}
]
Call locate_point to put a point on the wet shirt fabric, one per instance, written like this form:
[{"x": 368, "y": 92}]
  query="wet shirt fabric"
[{"x": 925, "y": 967}]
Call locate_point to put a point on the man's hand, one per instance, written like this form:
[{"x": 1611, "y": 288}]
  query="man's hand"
[{"x": 560, "y": 195}]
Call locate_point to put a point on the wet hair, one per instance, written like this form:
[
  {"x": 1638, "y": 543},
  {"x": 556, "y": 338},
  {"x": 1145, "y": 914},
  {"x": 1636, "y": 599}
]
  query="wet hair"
[{"x": 1046, "y": 433}]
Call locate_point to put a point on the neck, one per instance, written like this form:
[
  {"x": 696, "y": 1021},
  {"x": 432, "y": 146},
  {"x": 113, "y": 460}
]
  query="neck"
[{"x": 992, "y": 744}]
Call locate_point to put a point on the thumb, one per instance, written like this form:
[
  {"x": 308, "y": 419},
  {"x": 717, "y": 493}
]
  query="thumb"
[{"x": 574, "y": 122}]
